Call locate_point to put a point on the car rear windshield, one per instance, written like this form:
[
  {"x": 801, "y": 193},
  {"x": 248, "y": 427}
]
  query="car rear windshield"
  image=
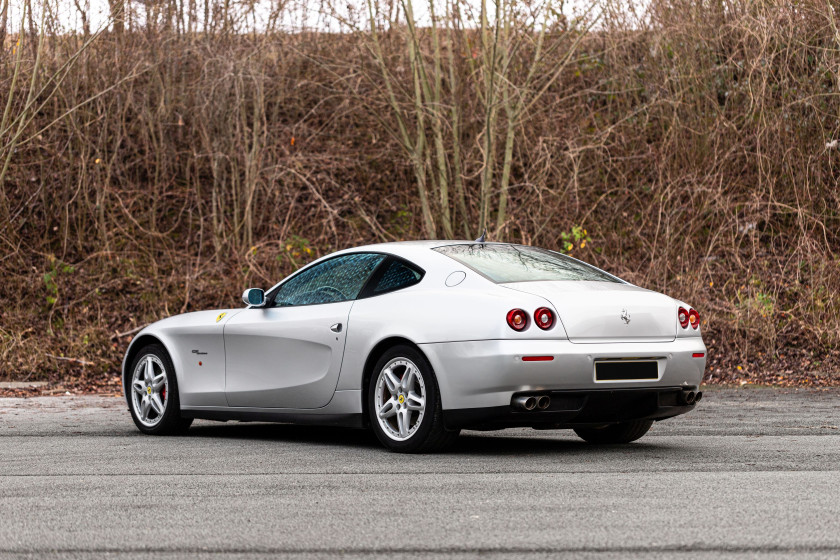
[{"x": 518, "y": 263}]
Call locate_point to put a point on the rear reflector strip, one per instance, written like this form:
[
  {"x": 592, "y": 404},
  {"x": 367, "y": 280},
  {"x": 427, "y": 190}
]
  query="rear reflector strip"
[
  {"x": 537, "y": 358},
  {"x": 698, "y": 355}
]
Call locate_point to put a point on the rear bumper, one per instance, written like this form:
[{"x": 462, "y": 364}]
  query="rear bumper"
[
  {"x": 569, "y": 409},
  {"x": 487, "y": 373}
]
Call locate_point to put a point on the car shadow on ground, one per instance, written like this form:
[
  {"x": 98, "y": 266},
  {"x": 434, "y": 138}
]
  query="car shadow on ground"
[
  {"x": 559, "y": 441},
  {"x": 296, "y": 433},
  {"x": 498, "y": 443}
]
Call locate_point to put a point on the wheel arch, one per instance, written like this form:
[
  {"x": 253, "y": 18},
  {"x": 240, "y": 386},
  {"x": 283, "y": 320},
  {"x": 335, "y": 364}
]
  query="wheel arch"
[
  {"x": 134, "y": 348},
  {"x": 381, "y": 347}
]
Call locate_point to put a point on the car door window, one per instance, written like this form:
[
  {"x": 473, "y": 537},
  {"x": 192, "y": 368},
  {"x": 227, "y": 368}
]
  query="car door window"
[
  {"x": 337, "y": 279},
  {"x": 397, "y": 275}
]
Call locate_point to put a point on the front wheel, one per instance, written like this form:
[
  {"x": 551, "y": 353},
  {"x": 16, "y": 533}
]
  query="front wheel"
[
  {"x": 623, "y": 432},
  {"x": 153, "y": 393},
  {"x": 404, "y": 403}
]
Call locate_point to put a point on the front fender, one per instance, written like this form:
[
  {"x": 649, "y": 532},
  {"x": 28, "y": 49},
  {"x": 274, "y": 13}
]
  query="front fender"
[
  {"x": 179, "y": 335},
  {"x": 149, "y": 335}
]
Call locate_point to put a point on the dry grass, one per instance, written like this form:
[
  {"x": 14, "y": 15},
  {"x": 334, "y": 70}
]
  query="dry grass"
[{"x": 695, "y": 154}]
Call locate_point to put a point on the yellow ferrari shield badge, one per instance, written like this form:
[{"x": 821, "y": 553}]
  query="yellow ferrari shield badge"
[
  {"x": 401, "y": 399},
  {"x": 220, "y": 317}
]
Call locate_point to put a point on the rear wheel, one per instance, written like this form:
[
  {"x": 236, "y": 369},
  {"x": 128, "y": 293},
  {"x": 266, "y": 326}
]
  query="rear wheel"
[
  {"x": 153, "y": 393},
  {"x": 623, "y": 432},
  {"x": 404, "y": 403}
]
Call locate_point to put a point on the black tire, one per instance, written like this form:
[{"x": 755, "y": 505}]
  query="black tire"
[
  {"x": 430, "y": 436},
  {"x": 623, "y": 432},
  {"x": 171, "y": 421}
]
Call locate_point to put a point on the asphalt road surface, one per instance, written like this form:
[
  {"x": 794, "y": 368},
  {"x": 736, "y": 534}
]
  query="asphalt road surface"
[{"x": 750, "y": 473}]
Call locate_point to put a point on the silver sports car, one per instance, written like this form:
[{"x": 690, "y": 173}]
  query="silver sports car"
[{"x": 418, "y": 340}]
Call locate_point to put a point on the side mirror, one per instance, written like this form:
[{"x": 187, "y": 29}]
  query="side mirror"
[{"x": 253, "y": 296}]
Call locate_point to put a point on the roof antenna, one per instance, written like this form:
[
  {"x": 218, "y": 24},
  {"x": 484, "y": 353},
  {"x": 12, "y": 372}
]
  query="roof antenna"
[{"x": 483, "y": 237}]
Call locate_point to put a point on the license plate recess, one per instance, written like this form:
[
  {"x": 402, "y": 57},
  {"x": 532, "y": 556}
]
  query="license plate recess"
[{"x": 626, "y": 370}]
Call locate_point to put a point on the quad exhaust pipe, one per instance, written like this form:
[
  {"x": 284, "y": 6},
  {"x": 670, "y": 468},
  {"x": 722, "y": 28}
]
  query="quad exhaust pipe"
[
  {"x": 531, "y": 402},
  {"x": 687, "y": 397}
]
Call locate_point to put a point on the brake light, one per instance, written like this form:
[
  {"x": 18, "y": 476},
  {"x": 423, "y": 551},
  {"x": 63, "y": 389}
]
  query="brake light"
[
  {"x": 517, "y": 319},
  {"x": 544, "y": 318},
  {"x": 694, "y": 319},
  {"x": 682, "y": 315}
]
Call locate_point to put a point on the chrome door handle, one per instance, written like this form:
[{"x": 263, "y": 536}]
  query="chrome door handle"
[{"x": 336, "y": 327}]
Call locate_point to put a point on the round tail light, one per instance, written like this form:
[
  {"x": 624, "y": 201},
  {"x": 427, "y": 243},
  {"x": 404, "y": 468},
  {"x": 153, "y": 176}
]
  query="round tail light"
[
  {"x": 682, "y": 315},
  {"x": 544, "y": 318},
  {"x": 694, "y": 319},
  {"x": 517, "y": 319}
]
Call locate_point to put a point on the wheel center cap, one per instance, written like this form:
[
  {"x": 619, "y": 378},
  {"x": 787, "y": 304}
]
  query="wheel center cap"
[
  {"x": 149, "y": 390},
  {"x": 401, "y": 398}
]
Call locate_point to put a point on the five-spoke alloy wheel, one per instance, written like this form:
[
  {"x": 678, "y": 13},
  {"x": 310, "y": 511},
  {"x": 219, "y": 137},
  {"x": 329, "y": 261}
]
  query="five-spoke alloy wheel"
[
  {"x": 153, "y": 392},
  {"x": 400, "y": 398},
  {"x": 404, "y": 404},
  {"x": 149, "y": 390}
]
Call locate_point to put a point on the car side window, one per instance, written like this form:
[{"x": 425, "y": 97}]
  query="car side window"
[
  {"x": 337, "y": 279},
  {"x": 397, "y": 275}
]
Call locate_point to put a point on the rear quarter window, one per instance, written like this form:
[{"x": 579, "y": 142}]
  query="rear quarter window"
[{"x": 396, "y": 275}]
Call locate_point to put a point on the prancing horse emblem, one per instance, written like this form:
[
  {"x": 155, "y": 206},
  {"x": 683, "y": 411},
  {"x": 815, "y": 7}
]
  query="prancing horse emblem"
[{"x": 625, "y": 316}]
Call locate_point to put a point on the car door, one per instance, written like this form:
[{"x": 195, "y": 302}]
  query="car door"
[{"x": 288, "y": 354}]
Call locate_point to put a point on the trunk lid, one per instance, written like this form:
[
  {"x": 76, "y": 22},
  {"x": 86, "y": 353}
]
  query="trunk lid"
[{"x": 593, "y": 312}]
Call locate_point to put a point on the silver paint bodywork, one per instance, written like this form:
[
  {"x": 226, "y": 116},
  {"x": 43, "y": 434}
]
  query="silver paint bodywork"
[{"x": 291, "y": 360}]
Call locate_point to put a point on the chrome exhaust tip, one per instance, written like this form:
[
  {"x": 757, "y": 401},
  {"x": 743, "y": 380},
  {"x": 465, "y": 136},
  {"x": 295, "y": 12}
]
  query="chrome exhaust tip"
[
  {"x": 690, "y": 397},
  {"x": 698, "y": 396},
  {"x": 543, "y": 402},
  {"x": 527, "y": 403}
]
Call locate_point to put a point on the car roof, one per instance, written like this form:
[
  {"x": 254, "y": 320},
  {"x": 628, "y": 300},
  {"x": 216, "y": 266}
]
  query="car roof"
[
  {"x": 418, "y": 252},
  {"x": 427, "y": 243},
  {"x": 397, "y": 247}
]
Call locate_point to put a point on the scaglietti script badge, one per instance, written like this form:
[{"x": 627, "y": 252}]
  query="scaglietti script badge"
[{"x": 625, "y": 316}]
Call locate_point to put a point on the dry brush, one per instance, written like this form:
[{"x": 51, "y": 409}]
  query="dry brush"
[{"x": 159, "y": 168}]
